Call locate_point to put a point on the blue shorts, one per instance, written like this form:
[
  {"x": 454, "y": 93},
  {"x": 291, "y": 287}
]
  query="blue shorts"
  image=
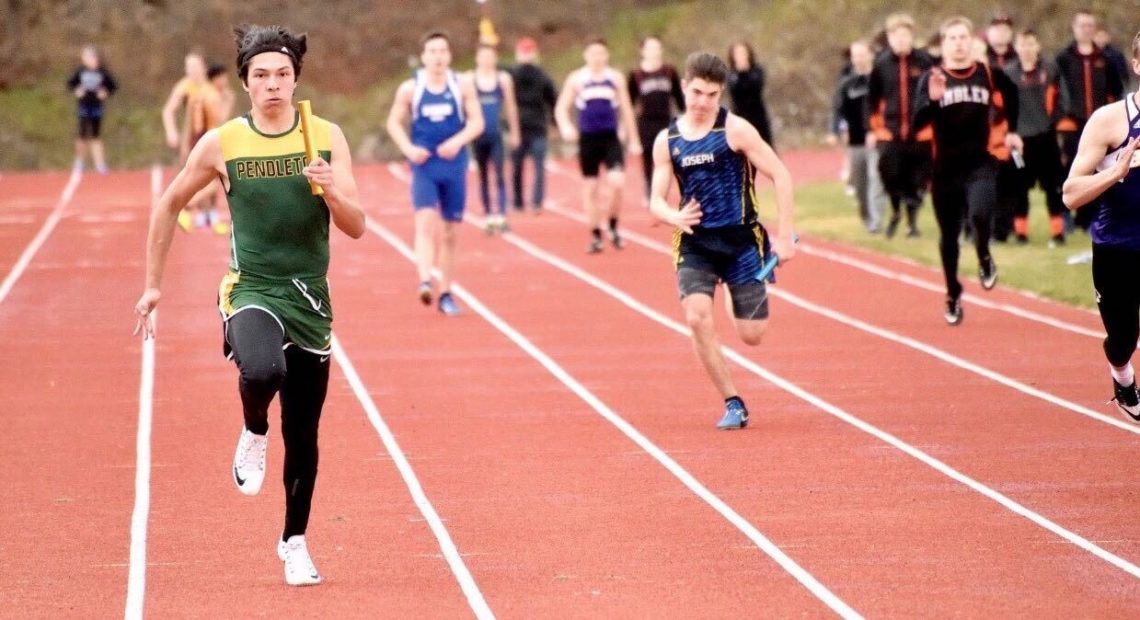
[
  {"x": 442, "y": 185},
  {"x": 734, "y": 254}
]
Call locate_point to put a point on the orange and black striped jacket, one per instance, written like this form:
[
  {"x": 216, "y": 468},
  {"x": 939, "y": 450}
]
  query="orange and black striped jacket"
[{"x": 891, "y": 95}]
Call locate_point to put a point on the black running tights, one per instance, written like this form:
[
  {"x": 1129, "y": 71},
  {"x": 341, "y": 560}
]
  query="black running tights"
[{"x": 301, "y": 378}]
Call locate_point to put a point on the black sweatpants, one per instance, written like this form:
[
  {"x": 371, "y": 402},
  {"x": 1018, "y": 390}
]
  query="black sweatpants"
[
  {"x": 301, "y": 379},
  {"x": 962, "y": 194},
  {"x": 904, "y": 168},
  {"x": 1118, "y": 299},
  {"x": 1042, "y": 167},
  {"x": 1008, "y": 189},
  {"x": 647, "y": 130}
]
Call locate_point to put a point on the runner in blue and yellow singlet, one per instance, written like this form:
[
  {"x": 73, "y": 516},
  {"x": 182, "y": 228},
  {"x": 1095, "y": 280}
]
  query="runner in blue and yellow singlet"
[
  {"x": 275, "y": 305},
  {"x": 715, "y": 155}
]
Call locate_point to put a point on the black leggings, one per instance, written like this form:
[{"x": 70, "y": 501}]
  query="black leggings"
[
  {"x": 905, "y": 171},
  {"x": 1118, "y": 298},
  {"x": 960, "y": 195},
  {"x": 302, "y": 379}
]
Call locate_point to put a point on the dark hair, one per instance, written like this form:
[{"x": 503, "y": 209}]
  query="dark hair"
[
  {"x": 748, "y": 47},
  {"x": 706, "y": 66},
  {"x": 215, "y": 70},
  {"x": 433, "y": 35},
  {"x": 252, "y": 40},
  {"x": 1028, "y": 32}
]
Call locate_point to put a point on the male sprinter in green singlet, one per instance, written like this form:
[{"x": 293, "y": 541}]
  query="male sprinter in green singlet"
[{"x": 275, "y": 299}]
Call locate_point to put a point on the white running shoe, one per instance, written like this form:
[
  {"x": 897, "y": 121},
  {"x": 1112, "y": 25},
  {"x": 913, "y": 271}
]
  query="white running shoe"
[
  {"x": 249, "y": 462},
  {"x": 299, "y": 569}
]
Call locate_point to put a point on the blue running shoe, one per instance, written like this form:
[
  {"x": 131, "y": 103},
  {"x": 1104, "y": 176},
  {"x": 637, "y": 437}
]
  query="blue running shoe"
[
  {"x": 735, "y": 417},
  {"x": 448, "y": 306}
]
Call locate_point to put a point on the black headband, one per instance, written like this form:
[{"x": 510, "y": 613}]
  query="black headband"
[{"x": 263, "y": 48}]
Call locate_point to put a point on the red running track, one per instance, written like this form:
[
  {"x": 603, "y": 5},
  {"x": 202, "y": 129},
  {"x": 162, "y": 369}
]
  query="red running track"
[{"x": 554, "y": 511}]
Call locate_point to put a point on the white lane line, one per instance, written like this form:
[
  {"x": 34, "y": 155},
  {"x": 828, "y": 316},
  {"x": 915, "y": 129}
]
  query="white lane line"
[
  {"x": 136, "y": 574},
  {"x": 889, "y": 274},
  {"x": 447, "y": 546},
  {"x": 908, "y": 342},
  {"x": 759, "y": 539},
  {"x": 45, "y": 231},
  {"x": 835, "y": 411}
]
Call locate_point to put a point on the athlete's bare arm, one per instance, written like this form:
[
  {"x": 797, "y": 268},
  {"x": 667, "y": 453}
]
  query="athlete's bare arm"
[
  {"x": 744, "y": 139},
  {"x": 202, "y": 166},
  {"x": 562, "y": 107},
  {"x": 339, "y": 184},
  {"x": 687, "y": 216},
  {"x": 511, "y": 107},
  {"x": 1103, "y": 132},
  {"x": 625, "y": 108},
  {"x": 169, "y": 110},
  {"x": 472, "y": 128},
  {"x": 398, "y": 121}
]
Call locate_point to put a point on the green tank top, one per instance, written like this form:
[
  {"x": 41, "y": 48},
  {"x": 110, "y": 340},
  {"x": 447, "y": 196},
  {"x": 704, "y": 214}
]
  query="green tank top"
[{"x": 280, "y": 229}]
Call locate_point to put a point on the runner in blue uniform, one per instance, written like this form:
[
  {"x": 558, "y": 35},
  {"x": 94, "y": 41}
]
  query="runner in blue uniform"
[
  {"x": 715, "y": 155},
  {"x": 446, "y": 117},
  {"x": 496, "y": 92},
  {"x": 1104, "y": 176}
]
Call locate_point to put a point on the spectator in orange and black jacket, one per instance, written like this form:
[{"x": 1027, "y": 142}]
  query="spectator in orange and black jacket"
[
  {"x": 1038, "y": 87},
  {"x": 1090, "y": 81},
  {"x": 904, "y": 154},
  {"x": 1001, "y": 55}
]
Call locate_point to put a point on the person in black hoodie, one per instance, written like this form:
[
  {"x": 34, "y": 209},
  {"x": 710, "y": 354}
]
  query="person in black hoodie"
[
  {"x": 535, "y": 95},
  {"x": 847, "y": 117},
  {"x": 746, "y": 87},
  {"x": 91, "y": 84},
  {"x": 971, "y": 107}
]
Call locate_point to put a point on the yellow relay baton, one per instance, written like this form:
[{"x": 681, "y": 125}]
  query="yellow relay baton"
[{"x": 306, "y": 109}]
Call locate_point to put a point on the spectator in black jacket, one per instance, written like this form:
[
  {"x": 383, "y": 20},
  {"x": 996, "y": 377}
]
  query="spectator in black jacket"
[
  {"x": 91, "y": 84},
  {"x": 847, "y": 117},
  {"x": 535, "y": 95},
  {"x": 655, "y": 92},
  {"x": 1089, "y": 82},
  {"x": 746, "y": 87},
  {"x": 1103, "y": 39}
]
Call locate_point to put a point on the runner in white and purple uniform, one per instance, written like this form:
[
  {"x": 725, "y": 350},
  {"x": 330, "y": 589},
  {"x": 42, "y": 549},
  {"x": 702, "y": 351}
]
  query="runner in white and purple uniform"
[
  {"x": 605, "y": 115},
  {"x": 1104, "y": 175}
]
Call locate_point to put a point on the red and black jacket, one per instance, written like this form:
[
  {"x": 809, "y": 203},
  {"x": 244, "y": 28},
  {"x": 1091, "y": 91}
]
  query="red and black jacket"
[
  {"x": 1088, "y": 81},
  {"x": 891, "y": 94}
]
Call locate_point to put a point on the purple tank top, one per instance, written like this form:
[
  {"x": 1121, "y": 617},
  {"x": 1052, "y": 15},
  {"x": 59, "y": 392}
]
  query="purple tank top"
[
  {"x": 1117, "y": 220},
  {"x": 597, "y": 104}
]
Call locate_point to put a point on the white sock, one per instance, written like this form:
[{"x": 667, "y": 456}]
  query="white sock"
[{"x": 1123, "y": 375}]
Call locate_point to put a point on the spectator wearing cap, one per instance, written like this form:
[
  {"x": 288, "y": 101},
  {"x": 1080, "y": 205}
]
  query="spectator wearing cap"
[{"x": 535, "y": 95}]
